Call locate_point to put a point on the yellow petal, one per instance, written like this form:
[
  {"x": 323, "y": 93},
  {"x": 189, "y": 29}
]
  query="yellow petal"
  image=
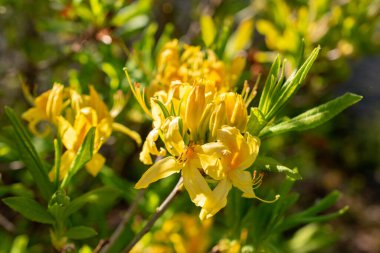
[
  {"x": 243, "y": 181},
  {"x": 217, "y": 200},
  {"x": 35, "y": 116},
  {"x": 173, "y": 139},
  {"x": 125, "y": 130},
  {"x": 67, "y": 133},
  {"x": 54, "y": 102},
  {"x": 161, "y": 169},
  {"x": 95, "y": 164},
  {"x": 209, "y": 155},
  {"x": 150, "y": 147},
  {"x": 195, "y": 185},
  {"x": 97, "y": 103}
]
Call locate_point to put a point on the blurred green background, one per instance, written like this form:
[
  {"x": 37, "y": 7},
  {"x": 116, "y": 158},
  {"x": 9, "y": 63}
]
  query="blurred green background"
[{"x": 89, "y": 42}]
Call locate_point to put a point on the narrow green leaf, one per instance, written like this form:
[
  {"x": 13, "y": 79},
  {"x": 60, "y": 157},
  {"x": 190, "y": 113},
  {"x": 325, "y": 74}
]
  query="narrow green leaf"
[
  {"x": 30, "y": 209},
  {"x": 91, "y": 197},
  {"x": 291, "y": 86},
  {"x": 130, "y": 11},
  {"x": 239, "y": 39},
  {"x": 263, "y": 163},
  {"x": 323, "y": 204},
  {"x": 311, "y": 214},
  {"x": 57, "y": 159},
  {"x": 314, "y": 117},
  {"x": 269, "y": 85},
  {"x": 256, "y": 121},
  {"x": 29, "y": 156},
  {"x": 20, "y": 244},
  {"x": 208, "y": 30},
  {"x": 112, "y": 75},
  {"x": 163, "y": 108},
  {"x": 83, "y": 156},
  {"x": 80, "y": 232}
]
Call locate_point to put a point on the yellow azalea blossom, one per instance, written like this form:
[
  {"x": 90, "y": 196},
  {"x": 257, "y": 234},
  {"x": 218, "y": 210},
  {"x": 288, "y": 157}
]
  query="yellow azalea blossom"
[
  {"x": 190, "y": 64},
  {"x": 90, "y": 111},
  {"x": 184, "y": 158},
  {"x": 237, "y": 153},
  {"x": 74, "y": 114},
  {"x": 47, "y": 107}
]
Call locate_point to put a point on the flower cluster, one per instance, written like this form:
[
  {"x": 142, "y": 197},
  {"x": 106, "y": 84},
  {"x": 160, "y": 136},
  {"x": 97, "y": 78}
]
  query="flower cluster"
[
  {"x": 190, "y": 64},
  {"x": 73, "y": 114},
  {"x": 203, "y": 129}
]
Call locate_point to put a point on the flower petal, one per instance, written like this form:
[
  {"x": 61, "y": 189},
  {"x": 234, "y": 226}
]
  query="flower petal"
[
  {"x": 243, "y": 181},
  {"x": 209, "y": 155},
  {"x": 217, "y": 200},
  {"x": 195, "y": 185},
  {"x": 67, "y": 133},
  {"x": 161, "y": 169},
  {"x": 95, "y": 164}
]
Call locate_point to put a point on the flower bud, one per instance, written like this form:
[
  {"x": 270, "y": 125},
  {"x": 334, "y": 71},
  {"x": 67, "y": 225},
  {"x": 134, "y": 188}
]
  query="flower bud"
[
  {"x": 195, "y": 106},
  {"x": 236, "y": 110}
]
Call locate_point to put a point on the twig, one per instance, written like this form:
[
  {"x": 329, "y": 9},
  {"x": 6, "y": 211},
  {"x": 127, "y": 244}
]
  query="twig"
[
  {"x": 160, "y": 210},
  {"x": 6, "y": 224},
  {"x": 126, "y": 217}
]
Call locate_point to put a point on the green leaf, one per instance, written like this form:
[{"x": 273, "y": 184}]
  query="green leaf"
[
  {"x": 240, "y": 39},
  {"x": 57, "y": 159},
  {"x": 112, "y": 75},
  {"x": 256, "y": 121},
  {"x": 80, "y": 232},
  {"x": 208, "y": 30},
  {"x": 311, "y": 214},
  {"x": 270, "y": 83},
  {"x": 263, "y": 163},
  {"x": 291, "y": 86},
  {"x": 29, "y": 156},
  {"x": 130, "y": 11},
  {"x": 314, "y": 117},
  {"x": 30, "y": 209},
  {"x": 83, "y": 156},
  {"x": 163, "y": 108},
  {"x": 93, "y": 196},
  {"x": 20, "y": 244}
]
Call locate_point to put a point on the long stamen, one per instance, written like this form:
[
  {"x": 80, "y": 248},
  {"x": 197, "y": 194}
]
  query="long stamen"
[{"x": 139, "y": 97}]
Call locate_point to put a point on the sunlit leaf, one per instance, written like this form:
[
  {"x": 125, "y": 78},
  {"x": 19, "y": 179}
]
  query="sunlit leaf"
[
  {"x": 263, "y": 163},
  {"x": 208, "y": 30},
  {"x": 314, "y": 117}
]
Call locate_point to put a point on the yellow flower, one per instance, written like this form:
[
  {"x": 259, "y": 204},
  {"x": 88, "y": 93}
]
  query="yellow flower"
[
  {"x": 90, "y": 111},
  {"x": 181, "y": 234},
  {"x": 236, "y": 153},
  {"x": 191, "y": 65},
  {"x": 74, "y": 114},
  {"x": 46, "y": 107}
]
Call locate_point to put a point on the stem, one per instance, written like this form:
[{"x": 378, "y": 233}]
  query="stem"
[
  {"x": 126, "y": 217},
  {"x": 160, "y": 210}
]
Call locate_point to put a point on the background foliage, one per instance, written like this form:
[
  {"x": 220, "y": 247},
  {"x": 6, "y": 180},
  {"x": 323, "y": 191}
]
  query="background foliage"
[{"x": 79, "y": 43}]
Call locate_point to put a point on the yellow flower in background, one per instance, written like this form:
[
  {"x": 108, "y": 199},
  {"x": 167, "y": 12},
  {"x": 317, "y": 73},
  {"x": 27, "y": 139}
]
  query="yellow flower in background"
[
  {"x": 74, "y": 114},
  {"x": 180, "y": 233},
  {"x": 47, "y": 107},
  {"x": 191, "y": 64}
]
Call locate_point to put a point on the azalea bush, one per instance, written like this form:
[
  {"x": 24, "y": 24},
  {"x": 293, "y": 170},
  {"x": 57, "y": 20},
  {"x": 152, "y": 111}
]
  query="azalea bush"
[{"x": 152, "y": 142}]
